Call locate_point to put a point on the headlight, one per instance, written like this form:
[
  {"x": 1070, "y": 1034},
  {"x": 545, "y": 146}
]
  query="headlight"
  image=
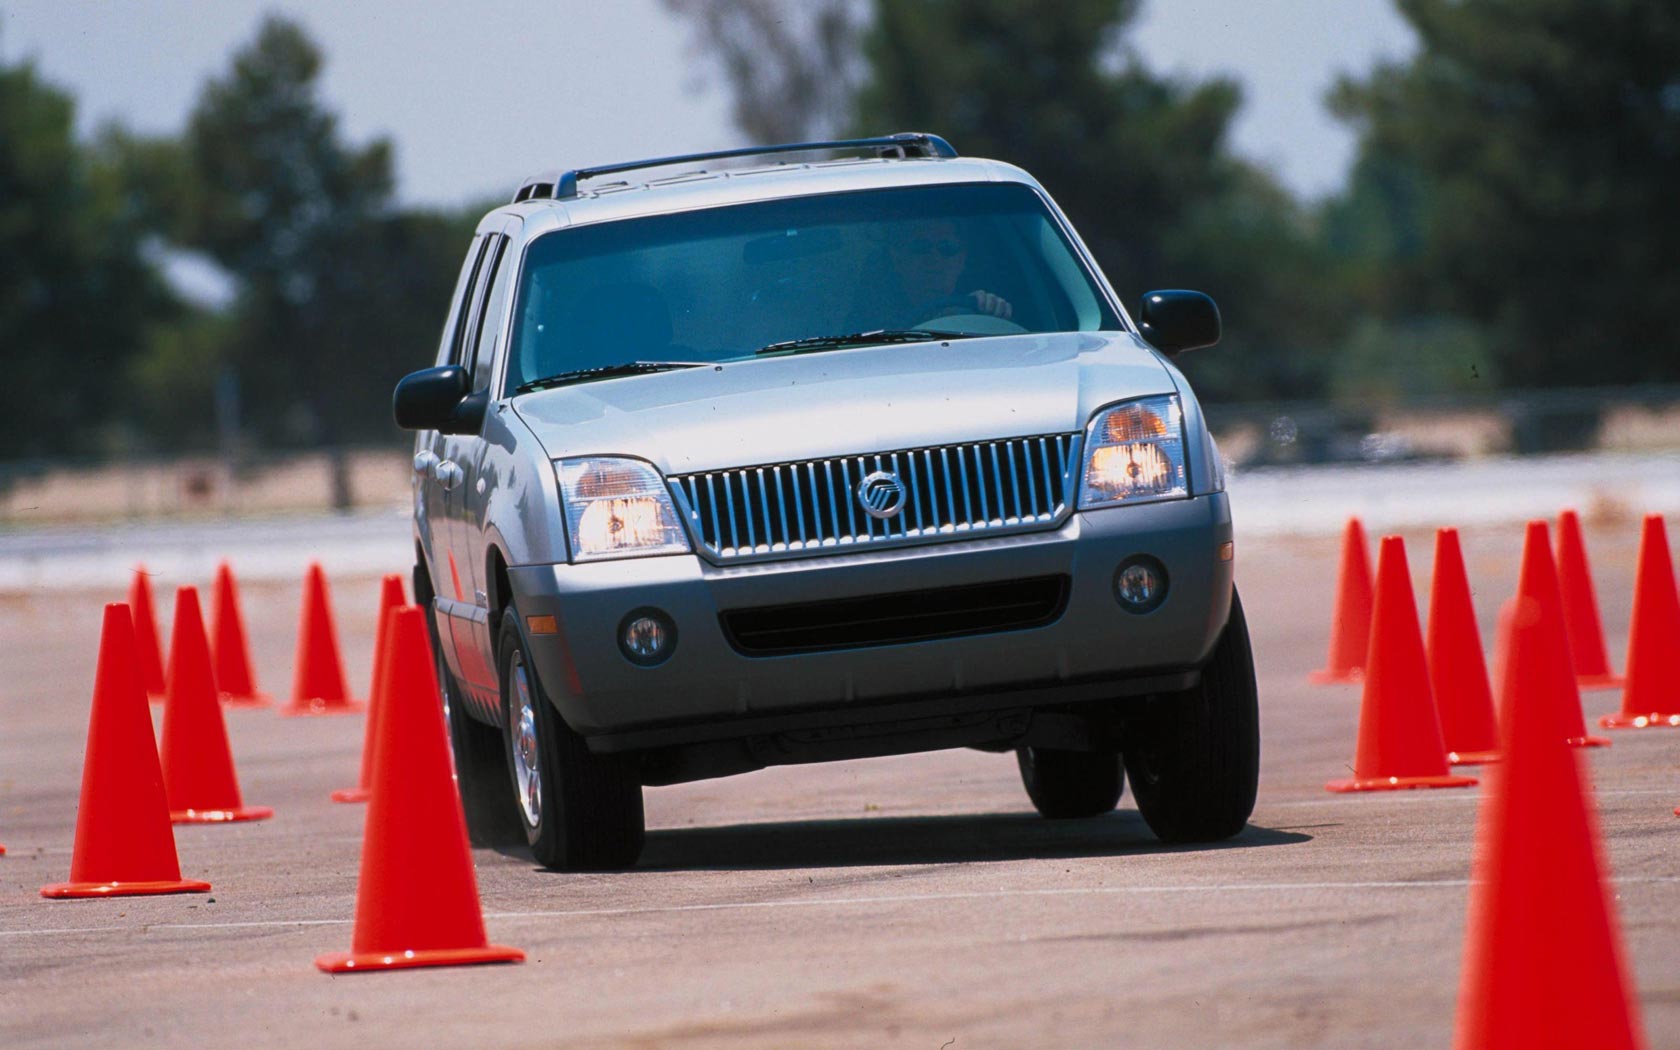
[
  {"x": 618, "y": 508},
  {"x": 1134, "y": 451}
]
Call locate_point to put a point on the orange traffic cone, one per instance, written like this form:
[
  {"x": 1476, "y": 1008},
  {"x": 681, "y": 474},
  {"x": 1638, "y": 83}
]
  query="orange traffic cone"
[
  {"x": 318, "y": 686},
  {"x": 198, "y": 774},
  {"x": 146, "y": 638},
  {"x": 1580, "y": 608},
  {"x": 1457, "y": 674},
  {"x": 417, "y": 898},
  {"x": 1399, "y": 731},
  {"x": 231, "y": 651},
  {"x": 1502, "y": 640},
  {"x": 1538, "y": 581},
  {"x": 1350, "y": 622},
  {"x": 124, "y": 845},
  {"x": 1543, "y": 961},
  {"x": 390, "y": 597},
  {"x": 1652, "y": 694}
]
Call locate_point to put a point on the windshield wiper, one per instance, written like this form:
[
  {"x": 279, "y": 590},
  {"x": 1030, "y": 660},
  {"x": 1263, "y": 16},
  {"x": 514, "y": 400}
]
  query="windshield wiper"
[
  {"x": 880, "y": 336},
  {"x": 584, "y": 375}
]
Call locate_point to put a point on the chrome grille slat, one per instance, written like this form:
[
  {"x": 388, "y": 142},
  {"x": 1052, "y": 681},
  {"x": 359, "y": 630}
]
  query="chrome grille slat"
[{"x": 1012, "y": 484}]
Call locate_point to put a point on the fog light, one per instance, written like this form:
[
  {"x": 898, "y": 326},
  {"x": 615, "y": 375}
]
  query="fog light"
[
  {"x": 1140, "y": 584},
  {"x": 647, "y": 637}
]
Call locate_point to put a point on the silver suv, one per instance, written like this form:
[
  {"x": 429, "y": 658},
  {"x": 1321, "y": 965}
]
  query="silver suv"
[{"x": 844, "y": 455}]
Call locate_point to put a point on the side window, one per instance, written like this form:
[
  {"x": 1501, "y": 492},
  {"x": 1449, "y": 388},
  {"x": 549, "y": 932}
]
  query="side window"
[
  {"x": 467, "y": 339},
  {"x": 449, "y": 346},
  {"x": 500, "y": 270}
]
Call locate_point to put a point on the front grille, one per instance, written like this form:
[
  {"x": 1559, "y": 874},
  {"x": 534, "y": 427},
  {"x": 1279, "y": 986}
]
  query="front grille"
[
  {"x": 951, "y": 491},
  {"x": 885, "y": 619}
]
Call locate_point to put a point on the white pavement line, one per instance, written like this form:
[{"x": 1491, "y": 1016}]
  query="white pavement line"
[
  {"x": 1330, "y": 798},
  {"x": 837, "y": 902}
]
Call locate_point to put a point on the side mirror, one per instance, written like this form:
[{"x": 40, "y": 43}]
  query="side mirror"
[
  {"x": 439, "y": 399},
  {"x": 1176, "y": 321}
]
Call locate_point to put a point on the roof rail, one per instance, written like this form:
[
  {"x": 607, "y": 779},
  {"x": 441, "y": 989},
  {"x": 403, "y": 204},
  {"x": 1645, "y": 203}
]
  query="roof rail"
[{"x": 563, "y": 185}]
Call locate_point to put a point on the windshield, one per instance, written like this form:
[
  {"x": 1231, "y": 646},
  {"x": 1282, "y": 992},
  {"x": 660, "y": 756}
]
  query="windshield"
[{"x": 722, "y": 283}]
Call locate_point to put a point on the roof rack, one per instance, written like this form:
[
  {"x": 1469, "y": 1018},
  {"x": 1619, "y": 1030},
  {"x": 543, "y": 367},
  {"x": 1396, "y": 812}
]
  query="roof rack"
[{"x": 563, "y": 185}]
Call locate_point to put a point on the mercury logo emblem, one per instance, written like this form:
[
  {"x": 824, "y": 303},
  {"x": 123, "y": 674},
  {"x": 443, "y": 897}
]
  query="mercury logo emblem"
[{"x": 881, "y": 494}]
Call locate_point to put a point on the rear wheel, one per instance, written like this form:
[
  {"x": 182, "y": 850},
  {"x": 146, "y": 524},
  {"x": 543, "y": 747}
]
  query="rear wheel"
[
  {"x": 480, "y": 770},
  {"x": 1194, "y": 756},
  {"x": 580, "y": 811},
  {"x": 1070, "y": 784}
]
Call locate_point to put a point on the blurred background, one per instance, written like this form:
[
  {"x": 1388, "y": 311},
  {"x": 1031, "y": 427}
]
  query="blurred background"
[{"x": 1437, "y": 229}]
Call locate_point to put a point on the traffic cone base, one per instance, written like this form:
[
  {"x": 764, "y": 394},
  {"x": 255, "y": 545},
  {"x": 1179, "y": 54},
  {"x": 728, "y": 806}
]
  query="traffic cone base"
[
  {"x": 1600, "y": 681},
  {"x": 219, "y": 816},
  {"x": 254, "y": 700},
  {"x": 72, "y": 890},
  {"x": 1654, "y": 720},
  {"x": 1450, "y": 780},
  {"x": 1328, "y": 677},
  {"x": 318, "y": 706},
  {"x": 355, "y": 794},
  {"x": 1471, "y": 758},
  {"x": 357, "y": 962},
  {"x": 1587, "y": 741}
]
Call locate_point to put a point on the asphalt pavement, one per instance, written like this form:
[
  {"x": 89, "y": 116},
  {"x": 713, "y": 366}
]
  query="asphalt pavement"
[{"x": 903, "y": 902}]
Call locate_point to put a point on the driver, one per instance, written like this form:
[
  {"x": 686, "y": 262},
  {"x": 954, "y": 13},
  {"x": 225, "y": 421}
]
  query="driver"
[{"x": 928, "y": 258}]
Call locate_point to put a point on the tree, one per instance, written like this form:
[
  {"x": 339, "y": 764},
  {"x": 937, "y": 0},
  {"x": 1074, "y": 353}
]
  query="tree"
[
  {"x": 792, "y": 68},
  {"x": 281, "y": 203},
  {"x": 76, "y": 291},
  {"x": 1535, "y": 148},
  {"x": 1140, "y": 162},
  {"x": 340, "y": 293}
]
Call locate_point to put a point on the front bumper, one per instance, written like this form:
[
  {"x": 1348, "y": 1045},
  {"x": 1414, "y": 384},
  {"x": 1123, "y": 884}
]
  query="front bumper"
[{"x": 599, "y": 691}]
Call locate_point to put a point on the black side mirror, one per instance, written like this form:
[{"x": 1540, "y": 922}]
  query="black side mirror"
[
  {"x": 1176, "y": 321},
  {"x": 439, "y": 399}
]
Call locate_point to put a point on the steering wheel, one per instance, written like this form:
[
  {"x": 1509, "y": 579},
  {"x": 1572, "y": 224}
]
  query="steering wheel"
[{"x": 967, "y": 320}]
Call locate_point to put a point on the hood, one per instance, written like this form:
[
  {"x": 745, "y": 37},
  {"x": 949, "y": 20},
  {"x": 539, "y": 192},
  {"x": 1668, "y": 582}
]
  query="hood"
[{"x": 839, "y": 402}]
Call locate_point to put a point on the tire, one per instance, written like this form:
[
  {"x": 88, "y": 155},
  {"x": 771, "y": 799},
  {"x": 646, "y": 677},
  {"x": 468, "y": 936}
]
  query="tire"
[
  {"x": 480, "y": 765},
  {"x": 1194, "y": 756},
  {"x": 579, "y": 811},
  {"x": 1071, "y": 784}
]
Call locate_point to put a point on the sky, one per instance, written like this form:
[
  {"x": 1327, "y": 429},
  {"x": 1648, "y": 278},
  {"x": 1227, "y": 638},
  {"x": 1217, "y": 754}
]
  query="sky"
[{"x": 477, "y": 95}]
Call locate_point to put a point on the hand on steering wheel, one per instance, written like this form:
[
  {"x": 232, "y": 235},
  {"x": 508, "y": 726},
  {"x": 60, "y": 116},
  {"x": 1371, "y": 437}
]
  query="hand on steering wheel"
[{"x": 978, "y": 301}]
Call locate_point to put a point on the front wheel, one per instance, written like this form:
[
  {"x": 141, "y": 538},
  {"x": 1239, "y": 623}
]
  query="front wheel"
[
  {"x": 580, "y": 811},
  {"x": 1194, "y": 756}
]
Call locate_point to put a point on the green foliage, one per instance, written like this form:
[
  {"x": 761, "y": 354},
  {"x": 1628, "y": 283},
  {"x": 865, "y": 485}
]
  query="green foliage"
[
  {"x": 1420, "y": 357},
  {"x": 280, "y": 202},
  {"x": 1140, "y": 162},
  {"x": 1522, "y": 171},
  {"x": 75, "y": 291}
]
